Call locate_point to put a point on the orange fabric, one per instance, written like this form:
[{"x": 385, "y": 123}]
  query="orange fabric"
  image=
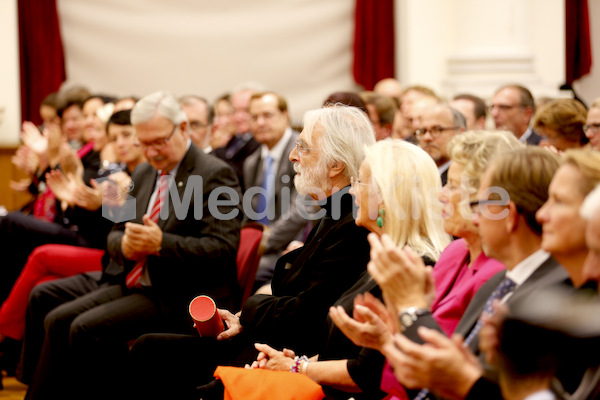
[{"x": 261, "y": 384}]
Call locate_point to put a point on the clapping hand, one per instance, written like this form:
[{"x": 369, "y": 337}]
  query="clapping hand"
[{"x": 371, "y": 326}]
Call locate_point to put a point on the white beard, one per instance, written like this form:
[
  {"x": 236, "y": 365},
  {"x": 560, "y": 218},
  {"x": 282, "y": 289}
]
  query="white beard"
[{"x": 311, "y": 181}]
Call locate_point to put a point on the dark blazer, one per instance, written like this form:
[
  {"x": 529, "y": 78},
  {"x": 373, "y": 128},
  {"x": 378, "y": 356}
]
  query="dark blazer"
[
  {"x": 547, "y": 274},
  {"x": 534, "y": 139},
  {"x": 283, "y": 230},
  {"x": 198, "y": 252},
  {"x": 235, "y": 152},
  {"x": 309, "y": 280}
]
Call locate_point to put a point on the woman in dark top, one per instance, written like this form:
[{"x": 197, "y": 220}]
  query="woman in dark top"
[{"x": 390, "y": 200}]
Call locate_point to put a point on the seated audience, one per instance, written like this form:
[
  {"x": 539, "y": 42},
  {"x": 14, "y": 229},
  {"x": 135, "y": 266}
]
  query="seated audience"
[
  {"x": 307, "y": 281},
  {"x": 563, "y": 237},
  {"x": 560, "y": 124},
  {"x": 388, "y": 202},
  {"x": 464, "y": 267},
  {"x": 509, "y": 233},
  {"x": 77, "y": 328},
  {"x": 53, "y": 261}
]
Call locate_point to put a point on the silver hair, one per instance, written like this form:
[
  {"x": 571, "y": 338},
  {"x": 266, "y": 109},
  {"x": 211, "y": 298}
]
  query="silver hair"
[
  {"x": 161, "y": 103},
  {"x": 347, "y": 131},
  {"x": 591, "y": 204}
]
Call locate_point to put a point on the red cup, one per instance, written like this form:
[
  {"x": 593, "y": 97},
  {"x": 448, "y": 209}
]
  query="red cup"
[{"x": 206, "y": 318}]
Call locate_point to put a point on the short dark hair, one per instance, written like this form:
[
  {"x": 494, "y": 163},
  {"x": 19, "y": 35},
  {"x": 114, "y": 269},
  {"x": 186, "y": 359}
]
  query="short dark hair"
[
  {"x": 281, "y": 102},
  {"x": 525, "y": 96},
  {"x": 480, "y": 108},
  {"x": 122, "y": 118}
]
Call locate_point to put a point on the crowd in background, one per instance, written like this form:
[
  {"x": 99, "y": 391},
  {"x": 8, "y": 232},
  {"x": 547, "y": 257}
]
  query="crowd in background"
[{"x": 455, "y": 253}]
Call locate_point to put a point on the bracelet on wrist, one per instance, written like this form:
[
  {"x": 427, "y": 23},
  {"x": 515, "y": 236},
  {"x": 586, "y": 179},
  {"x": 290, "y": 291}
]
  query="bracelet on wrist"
[{"x": 300, "y": 364}]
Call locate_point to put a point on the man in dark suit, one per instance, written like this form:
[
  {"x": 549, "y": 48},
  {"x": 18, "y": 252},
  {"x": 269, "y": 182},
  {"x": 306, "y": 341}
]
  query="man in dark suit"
[
  {"x": 509, "y": 233},
  {"x": 177, "y": 246},
  {"x": 269, "y": 168},
  {"x": 307, "y": 281},
  {"x": 512, "y": 108},
  {"x": 242, "y": 144}
]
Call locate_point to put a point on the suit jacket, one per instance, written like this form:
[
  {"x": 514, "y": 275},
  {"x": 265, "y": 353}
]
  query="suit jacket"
[
  {"x": 283, "y": 230},
  {"x": 235, "y": 152},
  {"x": 534, "y": 139},
  {"x": 198, "y": 255},
  {"x": 547, "y": 274},
  {"x": 309, "y": 280}
]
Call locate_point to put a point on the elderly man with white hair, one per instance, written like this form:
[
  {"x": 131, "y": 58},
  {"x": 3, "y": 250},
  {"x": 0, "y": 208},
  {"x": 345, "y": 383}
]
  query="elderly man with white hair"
[{"x": 306, "y": 282}]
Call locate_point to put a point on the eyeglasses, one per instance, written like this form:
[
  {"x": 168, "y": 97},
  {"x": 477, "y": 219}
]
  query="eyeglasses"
[
  {"x": 302, "y": 149},
  {"x": 158, "y": 143},
  {"x": 355, "y": 181},
  {"x": 503, "y": 107},
  {"x": 434, "y": 130},
  {"x": 477, "y": 204},
  {"x": 595, "y": 128},
  {"x": 197, "y": 125}
]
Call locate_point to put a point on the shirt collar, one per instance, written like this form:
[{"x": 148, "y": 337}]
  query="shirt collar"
[
  {"x": 525, "y": 136},
  {"x": 276, "y": 152},
  {"x": 523, "y": 270}
]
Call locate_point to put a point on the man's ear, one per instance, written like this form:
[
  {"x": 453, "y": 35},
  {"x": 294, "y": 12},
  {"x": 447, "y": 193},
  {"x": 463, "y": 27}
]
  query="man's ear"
[
  {"x": 511, "y": 221},
  {"x": 336, "y": 169}
]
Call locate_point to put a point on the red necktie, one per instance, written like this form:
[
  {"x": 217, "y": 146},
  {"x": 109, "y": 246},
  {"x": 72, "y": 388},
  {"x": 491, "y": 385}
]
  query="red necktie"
[{"x": 133, "y": 279}]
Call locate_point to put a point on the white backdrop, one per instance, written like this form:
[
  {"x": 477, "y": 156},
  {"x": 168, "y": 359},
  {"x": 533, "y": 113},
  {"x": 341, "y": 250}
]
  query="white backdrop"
[{"x": 299, "y": 48}]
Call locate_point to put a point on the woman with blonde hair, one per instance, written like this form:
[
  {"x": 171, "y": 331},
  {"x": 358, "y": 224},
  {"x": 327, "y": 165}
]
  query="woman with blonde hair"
[
  {"x": 561, "y": 124},
  {"x": 395, "y": 195},
  {"x": 563, "y": 228}
]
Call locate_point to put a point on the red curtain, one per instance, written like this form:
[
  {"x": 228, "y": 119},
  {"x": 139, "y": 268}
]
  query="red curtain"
[
  {"x": 42, "y": 58},
  {"x": 578, "y": 46},
  {"x": 373, "y": 41}
]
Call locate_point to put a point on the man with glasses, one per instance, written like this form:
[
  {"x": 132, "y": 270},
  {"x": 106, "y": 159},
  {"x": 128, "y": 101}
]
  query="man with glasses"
[
  {"x": 512, "y": 109},
  {"x": 307, "y": 281},
  {"x": 175, "y": 249},
  {"x": 512, "y": 189},
  {"x": 200, "y": 115},
  {"x": 438, "y": 124},
  {"x": 269, "y": 169}
]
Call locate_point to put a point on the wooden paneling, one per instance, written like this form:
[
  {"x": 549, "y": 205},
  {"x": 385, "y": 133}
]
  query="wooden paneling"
[{"x": 8, "y": 198}]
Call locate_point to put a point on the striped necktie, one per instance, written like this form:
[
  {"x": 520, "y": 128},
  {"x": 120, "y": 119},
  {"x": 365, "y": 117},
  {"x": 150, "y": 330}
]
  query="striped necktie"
[{"x": 133, "y": 279}]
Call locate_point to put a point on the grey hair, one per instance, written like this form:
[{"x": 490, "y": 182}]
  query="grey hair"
[
  {"x": 458, "y": 119},
  {"x": 161, "y": 103},
  {"x": 591, "y": 204},
  {"x": 348, "y": 131}
]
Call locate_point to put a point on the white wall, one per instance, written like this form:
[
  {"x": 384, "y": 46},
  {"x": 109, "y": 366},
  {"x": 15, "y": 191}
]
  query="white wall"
[
  {"x": 588, "y": 87},
  {"x": 299, "y": 48},
  {"x": 10, "y": 98},
  {"x": 477, "y": 45}
]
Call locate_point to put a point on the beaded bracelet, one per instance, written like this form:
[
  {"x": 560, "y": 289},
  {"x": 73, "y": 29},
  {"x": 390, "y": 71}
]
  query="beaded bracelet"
[{"x": 296, "y": 365}]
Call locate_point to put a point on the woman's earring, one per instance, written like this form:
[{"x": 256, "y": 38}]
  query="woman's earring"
[{"x": 380, "y": 218}]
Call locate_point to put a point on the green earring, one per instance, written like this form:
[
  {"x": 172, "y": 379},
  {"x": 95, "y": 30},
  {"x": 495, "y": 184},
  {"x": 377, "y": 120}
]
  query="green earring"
[{"x": 380, "y": 218}]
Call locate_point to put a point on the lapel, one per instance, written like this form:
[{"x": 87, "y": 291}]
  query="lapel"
[
  {"x": 185, "y": 168},
  {"x": 147, "y": 182}
]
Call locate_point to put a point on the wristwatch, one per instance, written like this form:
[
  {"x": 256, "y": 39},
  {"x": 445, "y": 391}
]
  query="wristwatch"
[{"x": 409, "y": 315}]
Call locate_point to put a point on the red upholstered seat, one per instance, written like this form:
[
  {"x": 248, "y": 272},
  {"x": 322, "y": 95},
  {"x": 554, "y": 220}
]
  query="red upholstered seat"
[{"x": 253, "y": 240}]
